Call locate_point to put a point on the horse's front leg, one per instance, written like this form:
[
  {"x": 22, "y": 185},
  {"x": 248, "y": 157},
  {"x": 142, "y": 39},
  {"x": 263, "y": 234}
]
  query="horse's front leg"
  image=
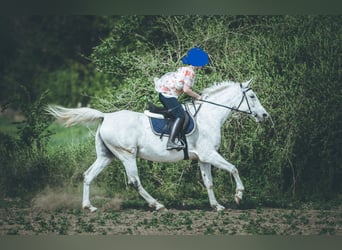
[
  {"x": 129, "y": 161},
  {"x": 208, "y": 182},
  {"x": 218, "y": 161}
]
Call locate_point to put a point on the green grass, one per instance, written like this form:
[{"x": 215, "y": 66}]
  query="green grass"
[
  {"x": 72, "y": 135},
  {"x": 60, "y": 135},
  {"x": 62, "y": 160}
]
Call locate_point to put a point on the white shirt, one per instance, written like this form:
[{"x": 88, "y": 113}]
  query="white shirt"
[{"x": 172, "y": 83}]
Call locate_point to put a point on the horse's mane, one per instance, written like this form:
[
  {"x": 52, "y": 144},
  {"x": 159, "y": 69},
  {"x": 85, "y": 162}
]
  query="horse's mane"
[{"x": 217, "y": 87}]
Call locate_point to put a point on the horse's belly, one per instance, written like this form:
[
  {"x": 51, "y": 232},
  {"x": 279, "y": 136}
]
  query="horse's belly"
[{"x": 159, "y": 153}]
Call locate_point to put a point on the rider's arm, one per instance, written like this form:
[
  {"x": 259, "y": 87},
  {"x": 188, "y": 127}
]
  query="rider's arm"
[{"x": 188, "y": 90}]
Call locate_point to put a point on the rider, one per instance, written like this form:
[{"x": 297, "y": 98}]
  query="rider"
[{"x": 172, "y": 84}]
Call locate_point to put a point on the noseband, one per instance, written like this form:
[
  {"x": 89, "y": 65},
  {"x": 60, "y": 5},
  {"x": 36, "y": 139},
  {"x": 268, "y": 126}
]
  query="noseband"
[{"x": 249, "y": 112}]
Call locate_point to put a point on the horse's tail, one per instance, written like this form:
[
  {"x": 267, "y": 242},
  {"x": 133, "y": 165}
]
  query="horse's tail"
[{"x": 69, "y": 117}]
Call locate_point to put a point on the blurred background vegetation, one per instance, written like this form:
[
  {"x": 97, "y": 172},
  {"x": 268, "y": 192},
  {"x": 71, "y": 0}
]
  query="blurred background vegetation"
[{"x": 109, "y": 62}]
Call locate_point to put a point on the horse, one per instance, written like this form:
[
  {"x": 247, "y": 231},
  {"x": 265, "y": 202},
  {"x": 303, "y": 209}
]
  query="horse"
[{"x": 126, "y": 135}]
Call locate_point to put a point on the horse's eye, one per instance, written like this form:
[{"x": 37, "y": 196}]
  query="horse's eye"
[{"x": 252, "y": 96}]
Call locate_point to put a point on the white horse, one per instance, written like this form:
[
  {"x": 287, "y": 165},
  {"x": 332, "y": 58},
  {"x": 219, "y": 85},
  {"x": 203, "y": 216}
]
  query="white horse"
[{"x": 126, "y": 135}]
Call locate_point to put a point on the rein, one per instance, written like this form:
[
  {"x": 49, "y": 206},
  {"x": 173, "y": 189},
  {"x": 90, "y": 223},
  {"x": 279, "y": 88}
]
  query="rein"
[{"x": 227, "y": 107}]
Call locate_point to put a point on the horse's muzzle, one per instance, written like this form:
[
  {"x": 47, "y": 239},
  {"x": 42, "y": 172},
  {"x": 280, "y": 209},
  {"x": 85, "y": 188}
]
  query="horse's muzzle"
[{"x": 261, "y": 117}]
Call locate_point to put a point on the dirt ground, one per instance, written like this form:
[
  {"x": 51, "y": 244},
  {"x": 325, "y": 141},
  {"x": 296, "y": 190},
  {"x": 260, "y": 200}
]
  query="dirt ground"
[{"x": 69, "y": 219}]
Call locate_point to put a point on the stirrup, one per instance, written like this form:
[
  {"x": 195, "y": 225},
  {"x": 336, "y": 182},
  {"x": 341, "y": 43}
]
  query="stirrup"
[{"x": 172, "y": 145}]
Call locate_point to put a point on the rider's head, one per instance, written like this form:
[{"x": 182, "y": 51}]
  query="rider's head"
[{"x": 196, "y": 57}]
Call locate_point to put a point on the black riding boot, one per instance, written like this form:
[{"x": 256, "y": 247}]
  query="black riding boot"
[{"x": 176, "y": 127}]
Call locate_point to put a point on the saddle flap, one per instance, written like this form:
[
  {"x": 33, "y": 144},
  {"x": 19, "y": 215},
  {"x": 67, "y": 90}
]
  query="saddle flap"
[{"x": 162, "y": 126}]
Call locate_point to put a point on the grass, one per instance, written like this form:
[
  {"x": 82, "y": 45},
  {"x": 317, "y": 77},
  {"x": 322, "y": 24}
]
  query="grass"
[
  {"x": 62, "y": 219},
  {"x": 60, "y": 135},
  {"x": 136, "y": 223},
  {"x": 61, "y": 162},
  {"x": 72, "y": 135}
]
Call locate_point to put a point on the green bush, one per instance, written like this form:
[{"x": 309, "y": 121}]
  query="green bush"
[
  {"x": 74, "y": 84},
  {"x": 293, "y": 61},
  {"x": 29, "y": 163},
  {"x": 25, "y": 170},
  {"x": 296, "y": 67}
]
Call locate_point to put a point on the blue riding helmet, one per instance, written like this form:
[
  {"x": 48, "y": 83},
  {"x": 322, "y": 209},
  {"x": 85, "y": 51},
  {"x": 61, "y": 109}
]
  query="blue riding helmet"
[{"x": 196, "y": 57}]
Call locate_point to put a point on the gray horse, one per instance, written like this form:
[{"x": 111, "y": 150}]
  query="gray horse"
[{"x": 126, "y": 135}]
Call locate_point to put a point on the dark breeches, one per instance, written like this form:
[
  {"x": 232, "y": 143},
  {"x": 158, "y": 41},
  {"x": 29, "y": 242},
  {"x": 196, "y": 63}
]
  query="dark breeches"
[{"x": 172, "y": 104}]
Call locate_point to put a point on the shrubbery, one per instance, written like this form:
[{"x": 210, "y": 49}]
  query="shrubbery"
[
  {"x": 296, "y": 67},
  {"x": 29, "y": 163},
  {"x": 293, "y": 61}
]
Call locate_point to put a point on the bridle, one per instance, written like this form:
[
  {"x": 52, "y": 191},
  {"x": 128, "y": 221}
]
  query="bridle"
[{"x": 244, "y": 91}]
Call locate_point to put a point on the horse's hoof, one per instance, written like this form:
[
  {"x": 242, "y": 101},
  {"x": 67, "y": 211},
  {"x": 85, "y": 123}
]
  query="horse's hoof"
[
  {"x": 160, "y": 208},
  {"x": 91, "y": 208},
  {"x": 238, "y": 196},
  {"x": 219, "y": 208},
  {"x": 237, "y": 199}
]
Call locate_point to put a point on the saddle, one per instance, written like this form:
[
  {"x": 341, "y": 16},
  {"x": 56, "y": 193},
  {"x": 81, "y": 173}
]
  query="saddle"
[{"x": 161, "y": 121}]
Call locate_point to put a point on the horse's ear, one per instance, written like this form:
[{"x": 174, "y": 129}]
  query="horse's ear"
[{"x": 247, "y": 84}]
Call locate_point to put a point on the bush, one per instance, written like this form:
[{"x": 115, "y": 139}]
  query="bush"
[
  {"x": 296, "y": 70},
  {"x": 296, "y": 73},
  {"x": 25, "y": 170},
  {"x": 28, "y": 164}
]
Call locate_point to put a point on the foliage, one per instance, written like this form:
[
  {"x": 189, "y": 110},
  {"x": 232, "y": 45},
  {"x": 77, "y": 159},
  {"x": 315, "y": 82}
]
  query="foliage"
[
  {"x": 44, "y": 59},
  {"x": 110, "y": 63},
  {"x": 80, "y": 80},
  {"x": 25, "y": 171},
  {"x": 28, "y": 165},
  {"x": 296, "y": 73},
  {"x": 36, "y": 49}
]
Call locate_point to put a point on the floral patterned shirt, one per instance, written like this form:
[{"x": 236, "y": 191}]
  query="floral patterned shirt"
[{"x": 172, "y": 83}]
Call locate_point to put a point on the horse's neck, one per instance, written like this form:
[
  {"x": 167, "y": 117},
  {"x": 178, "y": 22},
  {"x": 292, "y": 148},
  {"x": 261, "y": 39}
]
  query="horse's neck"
[
  {"x": 213, "y": 115},
  {"x": 216, "y": 115}
]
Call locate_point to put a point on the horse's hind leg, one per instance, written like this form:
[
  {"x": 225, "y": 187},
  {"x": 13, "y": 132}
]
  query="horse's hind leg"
[
  {"x": 104, "y": 157},
  {"x": 89, "y": 176}
]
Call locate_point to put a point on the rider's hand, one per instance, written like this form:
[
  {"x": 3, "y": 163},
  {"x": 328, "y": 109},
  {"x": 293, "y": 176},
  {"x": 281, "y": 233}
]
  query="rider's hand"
[{"x": 203, "y": 97}]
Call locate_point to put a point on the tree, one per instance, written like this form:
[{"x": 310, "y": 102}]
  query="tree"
[{"x": 38, "y": 46}]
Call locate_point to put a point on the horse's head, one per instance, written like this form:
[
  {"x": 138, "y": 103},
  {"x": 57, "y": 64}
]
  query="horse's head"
[
  {"x": 236, "y": 97},
  {"x": 250, "y": 103}
]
